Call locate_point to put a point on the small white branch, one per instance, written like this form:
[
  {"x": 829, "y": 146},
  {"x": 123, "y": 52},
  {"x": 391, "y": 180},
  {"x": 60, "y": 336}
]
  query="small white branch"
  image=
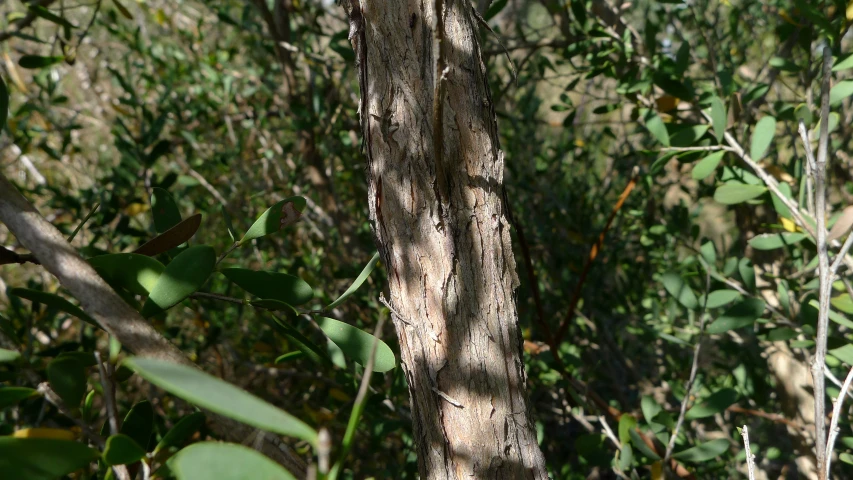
[{"x": 750, "y": 459}]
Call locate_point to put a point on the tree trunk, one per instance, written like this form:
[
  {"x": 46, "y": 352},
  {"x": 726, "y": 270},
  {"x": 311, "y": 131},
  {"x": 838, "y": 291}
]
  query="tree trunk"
[{"x": 443, "y": 237}]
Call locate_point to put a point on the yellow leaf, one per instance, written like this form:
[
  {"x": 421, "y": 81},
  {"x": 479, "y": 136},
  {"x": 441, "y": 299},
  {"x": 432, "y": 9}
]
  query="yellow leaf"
[
  {"x": 850, "y": 10},
  {"x": 579, "y": 143},
  {"x": 13, "y": 74},
  {"x": 339, "y": 394},
  {"x": 779, "y": 174},
  {"x": 789, "y": 225},
  {"x": 135, "y": 209},
  {"x": 52, "y": 433},
  {"x": 666, "y": 103},
  {"x": 657, "y": 470}
]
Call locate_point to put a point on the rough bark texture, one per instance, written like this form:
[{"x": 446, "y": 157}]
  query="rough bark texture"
[{"x": 449, "y": 261}]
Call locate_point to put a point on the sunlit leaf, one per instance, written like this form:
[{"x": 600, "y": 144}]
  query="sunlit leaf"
[
  {"x": 762, "y": 137},
  {"x": 8, "y": 355},
  {"x": 357, "y": 344},
  {"x": 719, "y": 298},
  {"x": 45, "y": 432},
  {"x": 224, "y": 461},
  {"x": 357, "y": 283},
  {"x": 132, "y": 271},
  {"x": 219, "y": 396},
  {"x": 184, "y": 275},
  {"x": 278, "y": 216},
  {"x": 840, "y": 91},
  {"x": 733, "y": 193},
  {"x": 707, "y": 165},
  {"x": 772, "y": 241},
  {"x": 657, "y": 128}
]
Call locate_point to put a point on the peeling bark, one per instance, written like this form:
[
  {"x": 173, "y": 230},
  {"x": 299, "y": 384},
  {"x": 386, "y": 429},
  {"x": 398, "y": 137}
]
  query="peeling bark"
[{"x": 449, "y": 260}]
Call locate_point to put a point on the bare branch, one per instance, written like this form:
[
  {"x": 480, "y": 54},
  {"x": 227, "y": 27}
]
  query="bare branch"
[
  {"x": 833, "y": 424},
  {"x": 750, "y": 458}
]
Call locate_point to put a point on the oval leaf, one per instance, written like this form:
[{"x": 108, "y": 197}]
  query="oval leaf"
[
  {"x": 714, "y": 404},
  {"x": 675, "y": 285},
  {"x": 46, "y": 14},
  {"x": 131, "y": 271},
  {"x": 221, "y": 397},
  {"x": 707, "y": 165},
  {"x": 365, "y": 272},
  {"x": 224, "y": 461},
  {"x": 182, "y": 277},
  {"x": 840, "y": 91},
  {"x": 772, "y": 241},
  {"x": 42, "y": 458},
  {"x": 278, "y": 216},
  {"x": 164, "y": 209},
  {"x": 657, "y": 128},
  {"x": 270, "y": 285},
  {"x": 718, "y": 117},
  {"x": 8, "y": 355},
  {"x": 139, "y": 423},
  {"x": 53, "y": 301},
  {"x": 719, "y": 298},
  {"x": 121, "y": 450},
  {"x": 357, "y": 344},
  {"x": 181, "y": 432},
  {"x": 734, "y": 192},
  {"x": 37, "y": 61},
  {"x": 704, "y": 452},
  {"x": 171, "y": 238},
  {"x": 12, "y": 395},
  {"x": 740, "y": 315},
  {"x": 67, "y": 377},
  {"x": 762, "y": 136}
]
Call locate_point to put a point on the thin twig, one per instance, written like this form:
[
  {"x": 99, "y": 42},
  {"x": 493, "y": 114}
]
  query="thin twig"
[
  {"x": 110, "y": 402},
  {"x": 694, "y": 368},
  {"x": 824, "y": 272},
  {"x": 810, "y": 165},
  {"x": 56, "y": 401},
  {"x": 750, "y": 459},
  {"x": 833, "y": 424},
  {"x": 24, "y": 22}
]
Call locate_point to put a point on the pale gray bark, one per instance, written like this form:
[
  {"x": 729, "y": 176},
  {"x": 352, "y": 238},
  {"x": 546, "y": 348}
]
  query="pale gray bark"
[{"x": 449, "y": 261}]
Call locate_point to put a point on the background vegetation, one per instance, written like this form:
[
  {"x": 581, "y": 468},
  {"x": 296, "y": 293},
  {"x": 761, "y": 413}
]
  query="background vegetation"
[{"x": 640, "y": 230}]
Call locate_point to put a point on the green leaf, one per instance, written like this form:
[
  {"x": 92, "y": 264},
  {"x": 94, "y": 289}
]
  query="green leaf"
[
  {"x": 843, "y": 302},
  {"x": 37, "y": 61},
  {"x": 53, "y": 301},
  {"x": 762, "y": 136},
  {"x": 131, "y": 271},
  {"x": 67, "y": 377},
  {"x": 840, "y": 91},
  {"x": 123, "y": 10},
  {"x": 747, "y": 273},
  {"x": 139, "y": 423},
  {"x": 184, "y": 275},
  {"x": 8, "y": 355},
  {"x": 221, "y": 397},
  {"x": 270, "y": 285},
  {"x": 734, "y": 192},
  {"x": 703, "y": 452},
  {"x": 719, "y": 298},
  {"x": 741, "y": 314},
  {"x": 843, "y": 353},
  {"x": 224, "y": 461},
  {"x": 296, "y": 339},
  {"x": 639, "y": 444},
  {"x": 276, "y": 305},
  {"x": 780, "y": 207},
  {"x": 4, "y": 103},
  {"x": 687, "y": 135},
  {"x": 845, "y": 64},
  {"x": 46, "y": 14},
  {"x": 171, "y": 238},
  {"x": 650, "y": 409},
  {"x": 657, "y": 128},
  {"x": 283, "y": 213},
  {"x": 714, "y": 404},
  {"x": 494, "y": 9},
  {"x": 627, "y": 422},
  {"x": 675, "y": 285},
  {"x": 164, "y": 209},
  {"x": 772, "y": 241},
  {"x": 121, "y": 450},
  {"x": 357, "y": 283},
  {"x": 12, "y": 395},
  {"x": 707, "y": 165},
  {"x": 181, "y": 432},
  {"x": 42, "y": 458},
  {"x": 358, "y": 344}
]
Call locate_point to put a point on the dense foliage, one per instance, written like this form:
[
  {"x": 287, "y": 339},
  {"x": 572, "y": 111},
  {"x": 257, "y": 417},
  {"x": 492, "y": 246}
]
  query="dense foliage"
[{"x": 649, "y": 146}]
